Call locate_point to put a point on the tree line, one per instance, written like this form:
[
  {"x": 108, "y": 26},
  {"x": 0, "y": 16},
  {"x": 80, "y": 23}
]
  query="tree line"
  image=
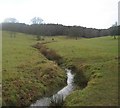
[{"x": 58, "y": 29}]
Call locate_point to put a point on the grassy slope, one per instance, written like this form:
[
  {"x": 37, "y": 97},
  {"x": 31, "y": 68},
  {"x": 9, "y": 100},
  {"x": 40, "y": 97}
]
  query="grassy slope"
[
  {"x": 98, "y": 58},
  {"x": 27, "y": 74}
]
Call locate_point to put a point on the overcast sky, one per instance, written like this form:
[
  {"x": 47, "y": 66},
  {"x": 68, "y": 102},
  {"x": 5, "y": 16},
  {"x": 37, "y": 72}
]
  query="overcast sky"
[{"x": 87, "y": 13}]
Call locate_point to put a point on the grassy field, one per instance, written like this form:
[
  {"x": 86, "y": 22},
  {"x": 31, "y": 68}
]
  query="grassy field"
[
  {"x": 26, "y": 71},
  {"x": 27, "y": 75},
  {"x": 98, "y": 58}
]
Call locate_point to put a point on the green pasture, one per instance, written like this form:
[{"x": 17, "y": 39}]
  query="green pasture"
[
  {"x": 26, "y": 74},
  {"x": 98, "y": 58},
  {"x": 26, "y": 71}
]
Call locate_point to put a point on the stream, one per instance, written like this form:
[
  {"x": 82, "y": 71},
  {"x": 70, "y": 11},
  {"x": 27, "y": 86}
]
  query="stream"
[{"x": 61, "y": 94}]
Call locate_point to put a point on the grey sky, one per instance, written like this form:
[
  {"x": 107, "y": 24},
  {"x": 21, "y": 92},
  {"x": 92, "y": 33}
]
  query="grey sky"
[{"x": 88, "y": 13}]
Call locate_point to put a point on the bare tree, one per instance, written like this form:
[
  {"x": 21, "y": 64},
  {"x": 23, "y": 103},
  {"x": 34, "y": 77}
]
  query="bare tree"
[
  {"x": 10, "y": 20},
  {"x": 36, "y": 20},
  {"x": 114, "y": 30}
]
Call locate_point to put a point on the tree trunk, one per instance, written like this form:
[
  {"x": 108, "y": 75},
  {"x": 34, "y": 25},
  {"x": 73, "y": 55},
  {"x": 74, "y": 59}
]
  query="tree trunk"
[{"x": 114, "y": 37}]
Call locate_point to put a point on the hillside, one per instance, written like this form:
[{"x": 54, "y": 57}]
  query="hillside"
[
  {"x": 27, "y": 75},
  {"x": 96, "y": 61}
]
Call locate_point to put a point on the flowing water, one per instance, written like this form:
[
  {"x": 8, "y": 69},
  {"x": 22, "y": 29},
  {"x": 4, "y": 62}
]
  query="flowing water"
[{"x": 45, "y": 101}]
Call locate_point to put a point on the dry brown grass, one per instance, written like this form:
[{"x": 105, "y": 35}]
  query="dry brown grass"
[{"x": 49, "y": 53}]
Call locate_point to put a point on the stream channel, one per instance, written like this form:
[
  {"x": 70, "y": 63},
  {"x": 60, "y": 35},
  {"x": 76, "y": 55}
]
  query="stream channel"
[{"x": 61, "y": 94}]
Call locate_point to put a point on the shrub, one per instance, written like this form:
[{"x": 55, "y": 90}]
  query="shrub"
[
  {"x": 80, "y": 78},
  {"x": 48, "y": 53}
]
